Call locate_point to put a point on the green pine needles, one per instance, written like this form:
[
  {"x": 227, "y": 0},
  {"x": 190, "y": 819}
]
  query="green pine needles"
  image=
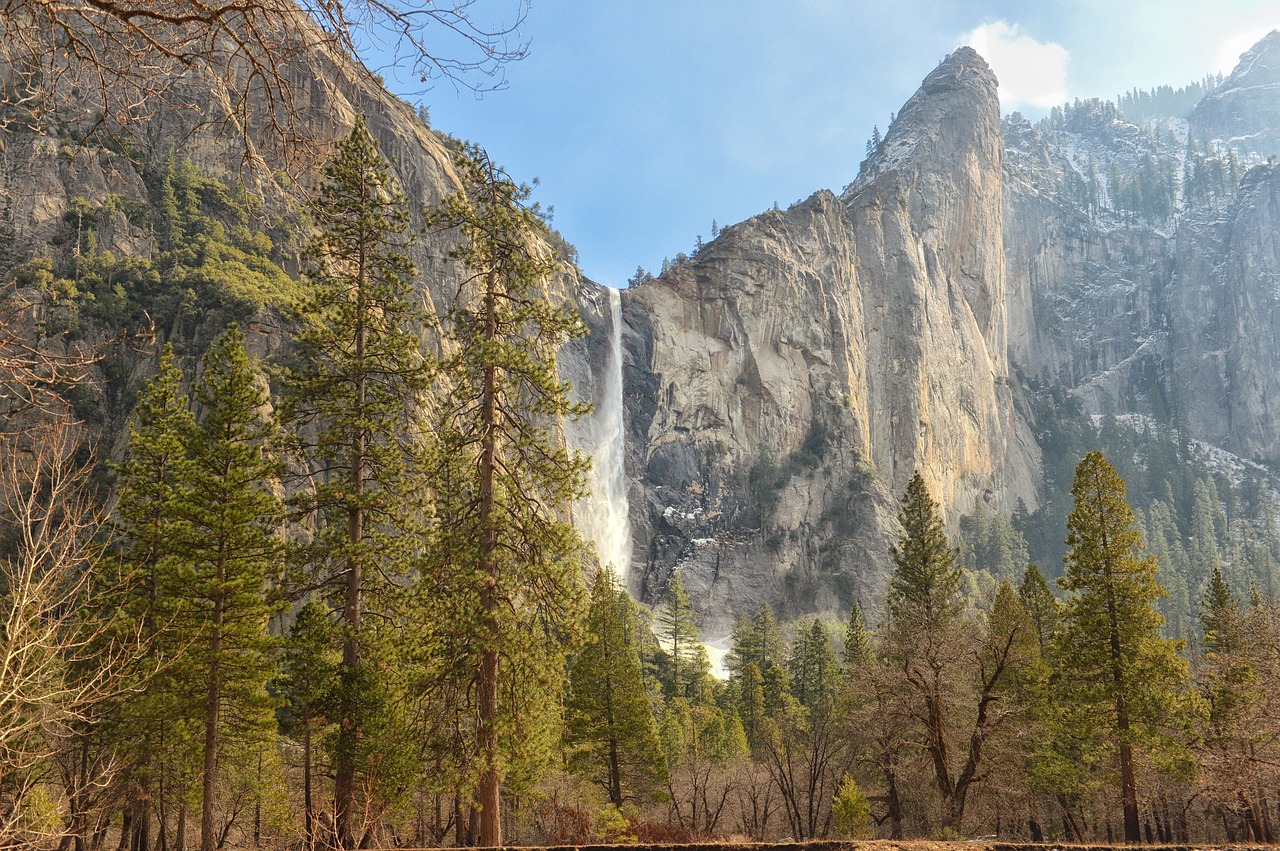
[
  {"x": 925, "y": 586},
  {"x": 609, "y": 725},
  {"x": 354, "y": 403},
  {"x": 503, "y": 545},
  {"x": 202, "y": 524},
  {"x": 1124, "y": 685}
]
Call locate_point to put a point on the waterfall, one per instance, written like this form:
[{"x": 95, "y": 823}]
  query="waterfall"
[{"x": 602, "y": 515}]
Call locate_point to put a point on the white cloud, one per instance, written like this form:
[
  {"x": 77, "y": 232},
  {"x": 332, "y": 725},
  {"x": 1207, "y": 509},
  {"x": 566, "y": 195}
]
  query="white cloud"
[{"x": 1032, "y": 74}]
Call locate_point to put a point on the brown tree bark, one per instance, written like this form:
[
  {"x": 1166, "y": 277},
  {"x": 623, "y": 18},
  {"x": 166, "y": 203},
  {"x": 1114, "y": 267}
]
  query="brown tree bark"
[
  {"x": 208, "y": 797},
  {"x": 487, "y": 798},
  {"x": 344, "y": 784}
]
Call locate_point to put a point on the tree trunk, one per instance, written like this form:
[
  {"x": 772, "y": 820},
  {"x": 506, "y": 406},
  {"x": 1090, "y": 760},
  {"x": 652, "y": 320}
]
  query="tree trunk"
[
  {"x": 1070, "y": 828},
  {"x": 309, "y": 818},
  {"x": 487, "y": 686},
  {"x": 615, "y": 775},
  {"x": 208, "y": 797},
  {"x": 938, "y": 751},
  {"x": 257, "y": 806},
  {"x": 141, "y": 825},
  {"x": 344, "y": 781},
  {"x": 1161, "y": 813},
  {"x": 893, "y": 796},
  {"x": 490, "y": 828},
  {"x": 1128, "y": 788},
  {"x": 1264, "y": 817},
  {"x": 162, "y": 817},
  {"x": 1128, "y": 783}
]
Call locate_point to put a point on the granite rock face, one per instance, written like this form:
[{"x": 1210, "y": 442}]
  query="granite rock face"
[
  {"x": 1244, "y": 111},
  {"x": 1159, "y": 315},
  {"x": 1085, "y": 287},
  {"x": 1224, "y": 320},
  {"x": 781, "y": 386},
  {"x": 786, "y": 382}
]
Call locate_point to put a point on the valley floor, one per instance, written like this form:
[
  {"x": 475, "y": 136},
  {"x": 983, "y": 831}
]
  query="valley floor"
[{"x": 888, "y": 845}]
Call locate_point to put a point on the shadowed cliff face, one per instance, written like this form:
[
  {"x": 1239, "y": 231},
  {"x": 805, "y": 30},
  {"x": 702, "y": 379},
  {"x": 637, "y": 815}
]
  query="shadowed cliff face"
[
  {"x": 787, "y": 381},
  {"x": 1223, "y": 313},
  {"x": 1170, "y": 315}
]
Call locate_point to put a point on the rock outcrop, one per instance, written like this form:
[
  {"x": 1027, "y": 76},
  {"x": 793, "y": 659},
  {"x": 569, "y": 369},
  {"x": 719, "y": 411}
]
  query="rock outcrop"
[
  {"x": 786, "y": 382},
  {"x": 1244, "y": 111},
  {"x": 1085, "y": 284},
  {"x": 1224, "y": 320}
]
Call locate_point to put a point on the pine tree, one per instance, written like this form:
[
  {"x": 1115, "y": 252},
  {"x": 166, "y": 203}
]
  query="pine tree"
[
  {"x": 756, "y": 640},
  {"x": 353, "y": 402},
  {"x": 229, "y": 548},
  {"x": 991, "y": 544},
  {"x": 1240, "y": 711},
  {"x": 678, "y": 632},
  {"x": 925, "y": 641},
  {"x": 506, "y": 546},
  {"x": 815, "y": 671},
  {"x": 1114, "y": 666},
  {"x": 1041, "y": 606},
  {"x": 1218, "y": 615},
  {"x": 924, "y": 591},
  {"x": 610, "y": 730},
  {"x": 857, "y": 644},
  {"x": 1205, "y": 518},
  {"x": 1012, "y": 641},
  {"x": 851, "y": 811},
  {"x": 1174, "y": 569},
  {"x": 309, "y": 680},
  {"x": 155, "y": 468},
  {"x": 152, "y": 478}
]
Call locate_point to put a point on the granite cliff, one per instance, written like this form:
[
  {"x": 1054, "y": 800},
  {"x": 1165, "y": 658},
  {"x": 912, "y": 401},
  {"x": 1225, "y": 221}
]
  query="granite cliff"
[{"x": 785, "y": 382}]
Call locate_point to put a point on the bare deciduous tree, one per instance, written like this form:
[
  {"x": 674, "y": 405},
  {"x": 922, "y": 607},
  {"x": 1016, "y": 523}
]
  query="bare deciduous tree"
[
  {"x": 61, "y": 667},
  {"x": 33, "y": 373}
]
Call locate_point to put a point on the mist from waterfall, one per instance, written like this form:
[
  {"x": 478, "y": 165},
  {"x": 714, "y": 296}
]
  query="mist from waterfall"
[{"x": 602, "y": 516}]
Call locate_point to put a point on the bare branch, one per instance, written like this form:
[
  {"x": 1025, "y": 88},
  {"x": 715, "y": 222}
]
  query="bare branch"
[{"x": 60, "y": 665}]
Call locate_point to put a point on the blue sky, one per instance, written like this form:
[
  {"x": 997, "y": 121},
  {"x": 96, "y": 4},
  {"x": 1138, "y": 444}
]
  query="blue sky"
[{"x": 645, "y": 121}]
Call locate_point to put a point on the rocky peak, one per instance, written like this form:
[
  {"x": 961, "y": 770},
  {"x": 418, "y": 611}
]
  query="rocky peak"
[
  {"x": 786, "y": 382},
  {"x": 1245, "y": 110},
  {"x": 955, "y": 112},
  {"x": 962, "y": 79},
  {"x": 1260, "y": 64}
]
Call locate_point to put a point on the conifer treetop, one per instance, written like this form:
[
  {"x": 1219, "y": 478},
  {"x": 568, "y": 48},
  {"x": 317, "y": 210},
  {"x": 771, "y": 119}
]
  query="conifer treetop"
[{"x": 925, "y": 585}]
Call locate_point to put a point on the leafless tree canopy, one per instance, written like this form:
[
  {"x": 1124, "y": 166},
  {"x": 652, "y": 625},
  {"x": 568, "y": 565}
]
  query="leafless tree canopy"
[
  {"x": 58, "y": 668},
  {"x": 98, "y": 64},
  {"x": 33, "y": 371}
]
